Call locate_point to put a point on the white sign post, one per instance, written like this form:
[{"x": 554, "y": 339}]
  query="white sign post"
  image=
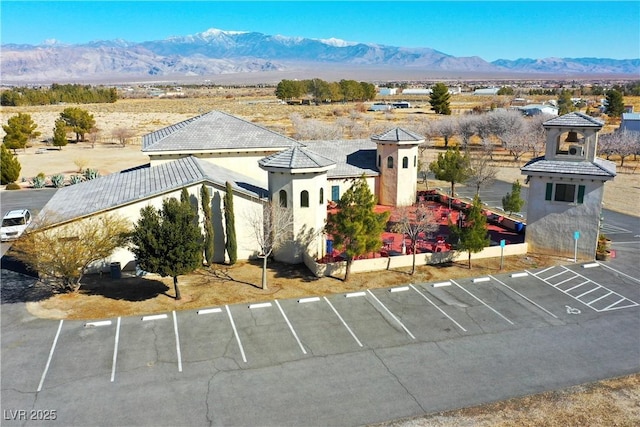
[
  {"x": 502, "y": 245},
  {"x": 576, "y": 236}
]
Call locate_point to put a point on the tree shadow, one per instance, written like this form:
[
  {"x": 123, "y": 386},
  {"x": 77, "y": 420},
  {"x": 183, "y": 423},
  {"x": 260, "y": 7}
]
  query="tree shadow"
[
  {"x": 221, "y": 274},
  {"x": 126, "y": 288},
  {"x": 18, "y": 287},
  {"x": 291, "y": 271}
]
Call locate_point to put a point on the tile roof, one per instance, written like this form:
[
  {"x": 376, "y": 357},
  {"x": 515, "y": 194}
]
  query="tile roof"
[
  {"x": 398, "y": 135},
  {"x": 214, "y": 131},
  {"x": 133, "y": 185},
  {"x": 599, "y": 167},
  {"x": 296, "y": 158},
  {"x": 353, "y": 157},
  {"x": 578, "y": 120}
]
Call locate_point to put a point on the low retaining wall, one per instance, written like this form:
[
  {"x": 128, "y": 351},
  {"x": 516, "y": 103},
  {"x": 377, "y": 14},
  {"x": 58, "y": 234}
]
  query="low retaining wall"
[{"x": 400, "y": 261}]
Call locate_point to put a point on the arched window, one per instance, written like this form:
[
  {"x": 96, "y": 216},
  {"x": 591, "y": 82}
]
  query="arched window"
[
  {"x": 321, "y": 195},
  {"x": 389, "y": 162},
  {"x": 304, "y": 199},
  {"x": 405, "y": 162},
  {"x": 283, "y": 199},
  {"x": 379, "y": 160},
  {"x": 415, "y": 161}
]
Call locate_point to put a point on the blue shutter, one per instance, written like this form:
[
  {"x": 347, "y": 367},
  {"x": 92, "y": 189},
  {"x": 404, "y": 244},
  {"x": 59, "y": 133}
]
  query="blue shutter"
[
  {"x": 549, "y": 192},
  {"x": 580, "y": 193}
]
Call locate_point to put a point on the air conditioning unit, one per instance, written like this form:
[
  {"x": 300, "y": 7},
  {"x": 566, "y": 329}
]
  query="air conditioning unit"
[{"x": 576, "y": 150}]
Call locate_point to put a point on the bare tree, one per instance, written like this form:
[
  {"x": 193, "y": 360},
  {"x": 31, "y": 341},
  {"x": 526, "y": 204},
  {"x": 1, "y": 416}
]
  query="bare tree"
[
  {"x": 446, "y": 128},
  {"x": 70, "y": 248},
  {"x": 412, "y": 222},
  {"x": 467, "y": 129},
  {"x": 122, "y": 134},
  {"x": 314, "y": 129},
  {"x": 272, "y": 227},
  {"x": 481, "y": 172},
  {"x": 505, "y": 124},
  {"x": 94, "y": 135},
  {"x": 621, "y": 143},
  {"x": 537, "y": 134}
]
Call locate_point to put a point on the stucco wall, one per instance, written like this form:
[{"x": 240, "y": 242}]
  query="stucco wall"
[
  {"x": 551, "y": 225},
  {"x": 403, "y": 261}
]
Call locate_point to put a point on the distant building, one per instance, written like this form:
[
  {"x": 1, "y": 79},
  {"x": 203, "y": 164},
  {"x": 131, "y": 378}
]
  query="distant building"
[
  {"x": 487, "y": 91},
  {"x": 630, "y": 122},
  {"x": 535, "y": 109},
  {"x": 417, "y": 92},
  {"x": 387, "y": 91}
]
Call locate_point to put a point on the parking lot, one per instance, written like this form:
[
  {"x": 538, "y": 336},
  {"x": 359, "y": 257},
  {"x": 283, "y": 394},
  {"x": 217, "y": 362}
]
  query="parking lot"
[{"x": 275, "y": 332}]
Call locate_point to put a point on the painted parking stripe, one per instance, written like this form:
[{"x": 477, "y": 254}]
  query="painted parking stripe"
[
  {"x": 619, "y": 272},
  {"x": 399, "y": 289},
  {"x": 235, "y": 332},
  {"x": 482, "y": 302},
  {"x": 260, "y": 305},
  {"x": 115, "y": 351},
  {"x": 343, "y": 322},
  {"x": 307, "y": 300},
  {"x": 355, "y": 294},
  {"x": 97, "y": 324},
  {"x": 291, "y": 327},
  {"x": 525, "y": 297},
  {"x": 391, "y": 314},
  {"x": 53, "y": 347},
  {"x": 576, "y": 286},
  {"x": 178, "y": 352},
  {"x": 439, "y": 309},
  {"x": 602, "y": 297}
]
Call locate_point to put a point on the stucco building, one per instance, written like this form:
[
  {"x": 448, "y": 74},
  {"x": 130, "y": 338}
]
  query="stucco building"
[
  {"x": 566, "y": 188},
  {"x": 261, "y": 165}
]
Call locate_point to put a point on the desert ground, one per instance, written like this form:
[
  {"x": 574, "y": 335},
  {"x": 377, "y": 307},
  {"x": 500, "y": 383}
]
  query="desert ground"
[{"x": 612, "y": 402}]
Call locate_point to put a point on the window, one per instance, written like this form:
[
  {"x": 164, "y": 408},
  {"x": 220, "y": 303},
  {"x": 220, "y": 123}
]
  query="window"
[
  {"x": 565, "y": 193},
  {"x": 304, "y": 199},
  {"x": 415, "y": 161},
  {"x": 379, "y": 160},
  {"x": 405, "y": 162},
  {"x": 335, "y": 193},
  {"x": 321, "y": 196},
  {"x": 389, "y": 162},
  {"x": 283, "y": 199}
]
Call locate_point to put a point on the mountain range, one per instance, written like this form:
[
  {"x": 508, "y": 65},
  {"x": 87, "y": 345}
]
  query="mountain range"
[{"x": 215, "y": 53}]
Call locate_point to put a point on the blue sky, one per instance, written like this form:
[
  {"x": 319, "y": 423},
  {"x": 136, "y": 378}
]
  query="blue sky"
[{"x": 491, "y": 30}]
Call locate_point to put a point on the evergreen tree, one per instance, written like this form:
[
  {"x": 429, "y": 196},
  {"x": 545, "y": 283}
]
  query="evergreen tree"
[
  {"x": 512, "y": 202},
  {"x": 9, "y": 166},
  {"x": 615, "y": 103},
  {"x": 208, "y": 224},
  {"x": 356, "y": 227},
  {"x": 79, "y": 121},
  {"x": 230, "y": 225},
  {"x": 451, "y": 166},
  {"x": 167, "y": 241},
  {"x": 19, "y": 130},
  {"x": 439, "y": 99},
  {"x": 565, "y": 104},
  {"x": 60, "y": 134},
  {"x": 473, "y": 237},
  {"x": 184, "y": 196}
]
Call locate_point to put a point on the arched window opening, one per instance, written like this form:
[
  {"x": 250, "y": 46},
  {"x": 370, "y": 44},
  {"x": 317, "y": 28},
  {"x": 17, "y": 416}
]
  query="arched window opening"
[
  {"x": 389, "y": 162},
  {"x": 321, "y": 195},
  {"x": 283, "y": 199},
  {"x": 304, "y": 199},
  {"x": 405, "y": 162}
]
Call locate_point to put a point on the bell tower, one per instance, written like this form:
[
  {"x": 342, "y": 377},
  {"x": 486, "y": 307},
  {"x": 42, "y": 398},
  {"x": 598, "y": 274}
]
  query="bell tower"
[
  {"x": 397, "y": 161},
  {"x": 566, "y": 188}
]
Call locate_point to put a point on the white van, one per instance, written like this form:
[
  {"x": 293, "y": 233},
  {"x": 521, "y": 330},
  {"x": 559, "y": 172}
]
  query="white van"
[{"x": 14, "y": 223}]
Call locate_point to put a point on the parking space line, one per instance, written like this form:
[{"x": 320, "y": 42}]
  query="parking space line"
[
  {"x": 260, "y": 305},
  {"x": 115, "y": 350},
  {"x": 555, "y": 285},
  {"x": 175, "y": 329},
  {"x": 588, "y": 292},
  {"x": 53, "y": 347},
  {"x": 210, "y": 310},
  {"x": 557, "y": 274},
  {"x": 307, "y": 300},
  {"x": 291, "y": 327},
  {"x": 154, "y": 317},
  {"x": 391, "y": 314},
  {"x": 525, "y": 297},
  {"x": 343, "y": 322},
  {"x": 482, "y": 302},
  {"x": 235, "y": 332},
  {"x": 542, "y": 271},
  {"x": 439, "y": 309},
  {"x": 577, "y": 286},
  {"x": 603, "y": 296},
  {"x": 613, "y": 306},
  {"x": 619, "y": 272}
]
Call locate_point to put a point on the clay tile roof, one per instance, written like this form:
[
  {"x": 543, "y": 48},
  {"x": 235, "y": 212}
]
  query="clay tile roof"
[
  {"x": 214, "y": 131},
  {"x": 578, "y": 120},
  {"x": 296, "y": 158},
  {"x": 398, "y": 135}
]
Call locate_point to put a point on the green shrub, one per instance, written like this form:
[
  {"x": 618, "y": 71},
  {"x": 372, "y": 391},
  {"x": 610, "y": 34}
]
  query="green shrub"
[
  {"x": 91, "y": 174},
  {"x": 12, "y": 186},
  {"x": 38, "y": 181},
  {"x": 75, "y": 179},
  {"x": 57, "y": 180}
]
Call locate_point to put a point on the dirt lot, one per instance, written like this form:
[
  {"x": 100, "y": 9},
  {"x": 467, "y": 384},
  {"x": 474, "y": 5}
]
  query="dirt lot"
[{"x": 612, "y": 402}]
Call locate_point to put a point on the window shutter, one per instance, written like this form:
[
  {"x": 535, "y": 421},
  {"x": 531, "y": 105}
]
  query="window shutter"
[
  {"x": 547, "y": 196},
  {"x": 580, "y": 193}
]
